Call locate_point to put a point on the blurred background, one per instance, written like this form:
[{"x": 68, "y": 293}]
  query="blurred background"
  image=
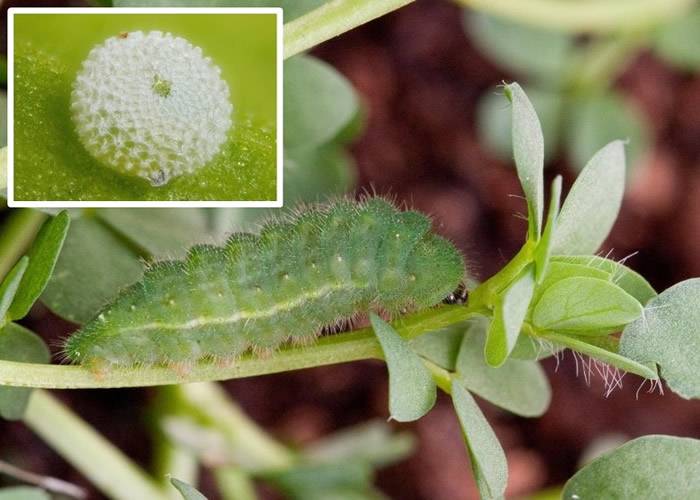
[{"x": 432, "y": 131}]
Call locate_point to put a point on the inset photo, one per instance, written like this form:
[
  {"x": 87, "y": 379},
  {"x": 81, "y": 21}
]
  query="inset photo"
[{"x": 145, "y": 107}]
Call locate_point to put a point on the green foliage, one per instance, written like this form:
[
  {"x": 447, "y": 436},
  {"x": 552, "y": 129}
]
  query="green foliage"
[
  {"x": 508, "y": 317},
  {"x": 677, "y": 41},
  {"x": 494, "y": 121},
  {"x": 528, "y": 149},
  {"x": 487, "y": 457},
  {"x": 593, "y": 203},
  {"x": 412, "y": 391},
  {"x": 187, "y": 491},
  {"x": 318, "y": 102},
  {"x": 513, "y": 45},
  {"x": 518, "y": 386},
  {"x": 23, "y": 493},
  {"x": 668, "y": 334},
  {"x": 42, "y": 260},
  {"x": 19, "y": 344},
  {"x": 595, "y": 120},
  {"x": 647, "y": 467},
  {"x": 10, "y": 284},
  {"x": 51, "y": 164},
  {"x": 584, "y": 306}
]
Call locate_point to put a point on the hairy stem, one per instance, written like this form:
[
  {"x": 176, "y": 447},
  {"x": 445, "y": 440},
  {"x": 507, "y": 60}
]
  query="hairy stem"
[
  {"x": 332, "y": 19},
  {"x": 332, "y": 349},
  {"x": 107, "y": 467},
  {"x": 592, "y": 16}
]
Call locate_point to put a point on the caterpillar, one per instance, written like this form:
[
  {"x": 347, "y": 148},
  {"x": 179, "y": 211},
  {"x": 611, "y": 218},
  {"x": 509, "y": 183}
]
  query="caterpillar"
[{"x": 300, "y": 274}]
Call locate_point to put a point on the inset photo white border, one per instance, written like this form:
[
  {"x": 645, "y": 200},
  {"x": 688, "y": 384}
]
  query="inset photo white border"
[{"x": 279, "y": 139}]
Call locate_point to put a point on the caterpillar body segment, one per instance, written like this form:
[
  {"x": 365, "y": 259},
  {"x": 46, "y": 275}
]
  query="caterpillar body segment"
[{"x": 296, "y": 277}]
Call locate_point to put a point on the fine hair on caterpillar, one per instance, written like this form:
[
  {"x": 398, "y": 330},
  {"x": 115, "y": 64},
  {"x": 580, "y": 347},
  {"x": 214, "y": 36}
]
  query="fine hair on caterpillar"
[{"x": 299, "y": 275}]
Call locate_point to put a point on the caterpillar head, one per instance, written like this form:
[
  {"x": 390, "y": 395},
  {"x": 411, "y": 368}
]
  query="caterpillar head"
[
  {"x": 435, "y": 268},
  {"x": 150, "y": 105}
]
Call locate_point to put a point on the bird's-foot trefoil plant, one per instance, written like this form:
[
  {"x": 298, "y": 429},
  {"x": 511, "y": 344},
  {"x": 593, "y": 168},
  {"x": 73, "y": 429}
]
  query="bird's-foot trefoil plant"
[{"x": 556, "y": 293}]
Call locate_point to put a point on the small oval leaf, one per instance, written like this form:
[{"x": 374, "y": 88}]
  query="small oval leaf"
[
  {"x": 509, "y": 315},
  {"x": 528, "y": 149},
  {"x": 668, "y": 333},
  {"x": 647, "y": 467},
  {"x": 412, "y": 391},
  {"x": 42, "y": 260},
  {"x": 9, "y": 286},
  {"x": 593, "y": 203},
  {"x": 487, "y": 457},
  {"x": 585, "y": 306},
  {"x": 187, "y": 491}
]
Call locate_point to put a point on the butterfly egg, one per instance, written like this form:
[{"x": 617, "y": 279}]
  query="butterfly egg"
[{"x": 150, "y": 105}]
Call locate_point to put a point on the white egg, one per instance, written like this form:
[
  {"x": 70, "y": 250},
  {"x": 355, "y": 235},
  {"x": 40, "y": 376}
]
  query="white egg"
[{"x": 151, "y": 105}]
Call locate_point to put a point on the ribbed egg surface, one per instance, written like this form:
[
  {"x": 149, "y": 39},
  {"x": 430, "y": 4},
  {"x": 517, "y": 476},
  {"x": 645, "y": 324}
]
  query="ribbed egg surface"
[{"x": 151, "y": 105}]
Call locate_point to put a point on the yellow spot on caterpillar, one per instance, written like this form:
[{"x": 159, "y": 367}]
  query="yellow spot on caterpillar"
[
  {"x": 339, "y": 258},
  {"x": 412, "y": 277},
  {"x": 171, "y": 302}
]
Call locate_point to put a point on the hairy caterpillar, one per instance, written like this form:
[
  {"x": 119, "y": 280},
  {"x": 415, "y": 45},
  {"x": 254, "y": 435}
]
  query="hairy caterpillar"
[
  {"x": 257, "y": 291},
  {"x": 151, "y": 105}
]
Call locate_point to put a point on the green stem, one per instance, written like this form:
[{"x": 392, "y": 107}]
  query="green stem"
[
  {"x": 332, "y": 19},
  {"x": 106, "y": 467},
  {"x": 332, "y": 349},
  {"x": 592, "y": 16},
  {"x": 234, "y": 484},
  {"x": 19, "y": 230},
  {"x": 212, "y": 405}
]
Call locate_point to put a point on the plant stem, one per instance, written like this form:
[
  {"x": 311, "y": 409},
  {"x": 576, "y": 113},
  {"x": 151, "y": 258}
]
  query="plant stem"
[
  {"x": 234, "y": 484},
  {"x": 51, "y": 484},
  {"x": 211, "y": 404},
  {"x": 332, "y": 19},
  {"x": 592, "y": 16},
  {"x": 18, "y": 231},
  {"x": 106, "y": 467},
  {"x": 332, "y": 349}
]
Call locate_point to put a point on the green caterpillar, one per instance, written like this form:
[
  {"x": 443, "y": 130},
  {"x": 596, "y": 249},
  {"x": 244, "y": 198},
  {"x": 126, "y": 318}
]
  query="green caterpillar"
[{"x": 299, "y": 275}]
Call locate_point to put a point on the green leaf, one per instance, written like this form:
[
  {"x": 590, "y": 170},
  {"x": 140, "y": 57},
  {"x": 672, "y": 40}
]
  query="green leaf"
[
  {"x": 593, "y": 203},
  {"x": 584, "y": 306},
  {"x": 668, "y": 333},
  {"x": 494, "y": 121},
  {"x": 678, "y": 41},
  {"x": 441, "y": 346},
  {"x": 319, "y": 481},
  {"x": 544, "y": 246},
  {"x": 624, "y": 277},
  {"x": 94, "y": 265},
  {"x": 160, "y": 232},
  {"x": 595, "y": 121},
  {"x": 370, "y": 442},
  {"x": 187, "y": 491},
  {"x": 10, "y": 284},
  {"x": 518, "y": 386},
  {"x": 558, "y": 271},
  {"x": 533, "y": 348},
  {"x": 50, "y": 162},
  {"x": 19, "y": 344},
  {"x": 23, "y": 493},
  {"x": 412, "y": 391},
  {"x": 487, "y": 457},
  {"x": 42, "y": 260},
  {"x": 528, "y": 51},
  {"x": 646, "y": 467},
  {"x": 318, "y": 173},
  {"x": 318, "y": 102},
  {"x": 528, "y": 149},
  {"x": 508, "y": 317},
  {"x": 591, "y": 346}
]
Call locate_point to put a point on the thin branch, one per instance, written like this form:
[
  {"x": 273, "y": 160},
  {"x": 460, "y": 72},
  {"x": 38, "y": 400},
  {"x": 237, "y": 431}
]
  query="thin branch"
[
  {"x": 592, "y": 16},
  {"x": 332, "y": 19},
  {"x": 52, "y": 484}
]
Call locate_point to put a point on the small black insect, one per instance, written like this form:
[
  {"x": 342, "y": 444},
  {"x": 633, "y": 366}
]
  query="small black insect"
[{"x": 459, "y": 296}]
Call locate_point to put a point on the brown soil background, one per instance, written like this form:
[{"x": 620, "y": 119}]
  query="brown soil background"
[{"x": 419, "y": 78}]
